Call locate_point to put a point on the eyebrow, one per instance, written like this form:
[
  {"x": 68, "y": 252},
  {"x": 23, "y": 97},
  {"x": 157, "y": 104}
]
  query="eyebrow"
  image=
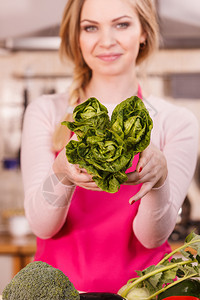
[{"x": 114, "y": 20}]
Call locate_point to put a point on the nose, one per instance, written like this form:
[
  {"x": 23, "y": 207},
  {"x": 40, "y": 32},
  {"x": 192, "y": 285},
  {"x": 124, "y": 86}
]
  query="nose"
[{"x": 107, "y": 38}]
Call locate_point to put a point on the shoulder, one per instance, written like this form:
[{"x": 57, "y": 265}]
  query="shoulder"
[
  {"x": 172, "y": 123},
  {"x": 52, "y": 107},
  {"x": 170, "y": 114}
]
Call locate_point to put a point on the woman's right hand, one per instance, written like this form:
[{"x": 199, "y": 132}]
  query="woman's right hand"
[{"x": 70, "y": 174}]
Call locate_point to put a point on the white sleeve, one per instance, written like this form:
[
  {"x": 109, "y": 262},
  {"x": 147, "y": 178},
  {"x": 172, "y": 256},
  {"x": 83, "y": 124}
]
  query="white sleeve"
[
  {"x": 157, "y": 214},
  {"x": 46, "y": 199}
]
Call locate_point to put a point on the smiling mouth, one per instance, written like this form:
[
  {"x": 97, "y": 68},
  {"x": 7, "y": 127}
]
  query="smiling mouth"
[{"x": 109, "y": 57}]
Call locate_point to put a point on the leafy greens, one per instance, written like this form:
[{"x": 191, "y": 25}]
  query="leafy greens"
[
  {"x": 106, "y": 148},
  {"x": 169, "y": 271}
]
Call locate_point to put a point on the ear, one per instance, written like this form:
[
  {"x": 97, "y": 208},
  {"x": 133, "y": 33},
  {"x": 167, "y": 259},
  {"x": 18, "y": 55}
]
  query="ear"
[{"x": 143, "y": 37}]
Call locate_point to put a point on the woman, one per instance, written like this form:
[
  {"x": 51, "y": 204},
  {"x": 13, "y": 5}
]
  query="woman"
[{"x": 98, "y": 239}]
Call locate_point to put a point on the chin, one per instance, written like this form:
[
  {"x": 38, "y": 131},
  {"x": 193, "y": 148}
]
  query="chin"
[{"x": 111, "y": 72}]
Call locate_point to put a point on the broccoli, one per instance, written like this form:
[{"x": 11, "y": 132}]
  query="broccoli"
[{"x": 38, "y": 280}]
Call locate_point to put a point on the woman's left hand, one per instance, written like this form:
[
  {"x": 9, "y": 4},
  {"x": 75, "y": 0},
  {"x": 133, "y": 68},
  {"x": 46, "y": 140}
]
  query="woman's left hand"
[{"x": 151, "y": 171}]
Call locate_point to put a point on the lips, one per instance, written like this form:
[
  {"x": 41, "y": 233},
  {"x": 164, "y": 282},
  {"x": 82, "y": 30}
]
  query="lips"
[{"x": 109, "y": 57}]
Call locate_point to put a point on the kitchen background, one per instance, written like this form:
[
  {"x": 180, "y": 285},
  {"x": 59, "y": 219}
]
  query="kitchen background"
[{"x": 30, "y": 66}]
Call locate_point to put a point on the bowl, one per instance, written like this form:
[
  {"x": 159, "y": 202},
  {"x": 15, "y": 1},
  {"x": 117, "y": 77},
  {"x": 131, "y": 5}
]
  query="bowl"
[
  {"x": 100, "y": 296},
  {"x": 18, "y": 226},
  {"x": 181, "y": 298}
]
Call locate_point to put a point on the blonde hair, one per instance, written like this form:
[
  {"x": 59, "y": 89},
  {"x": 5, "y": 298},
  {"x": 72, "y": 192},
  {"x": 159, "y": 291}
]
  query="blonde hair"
[{"x": 69, "y": 48}]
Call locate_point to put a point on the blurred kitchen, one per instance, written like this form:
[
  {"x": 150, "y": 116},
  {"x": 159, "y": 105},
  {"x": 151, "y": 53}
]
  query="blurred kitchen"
[{"x": 30, "y": 66}]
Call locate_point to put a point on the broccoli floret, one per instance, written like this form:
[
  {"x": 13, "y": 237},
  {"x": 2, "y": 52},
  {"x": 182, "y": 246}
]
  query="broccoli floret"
[{"x": 38, "y": 280}]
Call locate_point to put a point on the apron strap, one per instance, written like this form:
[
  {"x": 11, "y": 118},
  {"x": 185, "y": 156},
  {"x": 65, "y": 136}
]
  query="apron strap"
[{"x": 139, "y": 93}]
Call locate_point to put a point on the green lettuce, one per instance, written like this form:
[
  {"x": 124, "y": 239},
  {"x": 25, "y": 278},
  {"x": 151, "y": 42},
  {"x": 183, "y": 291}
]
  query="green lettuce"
[
  {"x": 106, "y": 148},
  {"x": 90, "y": 117}
]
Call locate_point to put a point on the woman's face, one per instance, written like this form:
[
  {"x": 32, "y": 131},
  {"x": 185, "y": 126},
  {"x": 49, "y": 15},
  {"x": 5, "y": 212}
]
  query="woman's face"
[{"x": 110, "y": 36}]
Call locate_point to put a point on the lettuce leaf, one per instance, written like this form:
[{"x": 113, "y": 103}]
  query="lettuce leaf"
[
  {"x": 89, "y": 117},
  {"x": 106, "y": 148}
]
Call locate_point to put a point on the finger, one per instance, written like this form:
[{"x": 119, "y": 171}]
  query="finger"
[
  {"x": 83, "y": 177},
  {"x": 147, "y": 176},
  {"x": 91, "y": 186},
  {"x": 84, "y": 171},
  {"x": 74, "y": 137},
  {"x": 137, "y": 178},
  {"x": 144, "y": 159},
  {"x": 145, "y": 188},
  {"x": 79, "y": 170},
  {"x": 96, "y": 189},
  {"x": 132, "y": 177},
  {"x": 76, "y": 175}
]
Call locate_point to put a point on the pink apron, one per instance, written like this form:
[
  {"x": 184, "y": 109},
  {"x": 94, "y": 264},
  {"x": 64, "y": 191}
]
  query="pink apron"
[{"x": 96, "y": 248}]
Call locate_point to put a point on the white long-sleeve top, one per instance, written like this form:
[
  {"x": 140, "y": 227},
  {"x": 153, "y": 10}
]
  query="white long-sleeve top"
[{"x": 175, "y": 132}]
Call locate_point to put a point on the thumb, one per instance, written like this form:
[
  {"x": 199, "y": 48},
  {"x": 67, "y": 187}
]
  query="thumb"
[{"x": 74, "y": 137}]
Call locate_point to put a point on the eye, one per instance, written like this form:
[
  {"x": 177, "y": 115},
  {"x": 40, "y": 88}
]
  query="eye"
[
  {"x": 123, "y": 25},
  {"x": 90, "y": 28}
]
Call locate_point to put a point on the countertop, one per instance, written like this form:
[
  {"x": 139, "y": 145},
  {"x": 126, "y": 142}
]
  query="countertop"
[
  {"x": 21, "y": 249},
  {"x": 23, "y": 245},
  {"x": 27, "y": 245}
]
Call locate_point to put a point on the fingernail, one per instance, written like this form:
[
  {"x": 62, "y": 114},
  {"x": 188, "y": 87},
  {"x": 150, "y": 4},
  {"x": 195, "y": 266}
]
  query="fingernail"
[
  {"x": 140, "y": 169},
  {"x": 132, "y": 202}
]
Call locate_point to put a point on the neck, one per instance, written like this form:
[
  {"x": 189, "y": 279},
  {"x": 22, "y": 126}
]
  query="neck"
[{"x": 112, "y": 89}]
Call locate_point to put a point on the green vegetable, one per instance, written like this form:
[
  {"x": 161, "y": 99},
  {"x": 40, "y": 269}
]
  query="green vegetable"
[
  {"x": 169, "y": 272},
  {"x": 188, "y": 287},
  {"x": 106, "y": 148},
  {"x": 90, "y": 115},
  {"x": 137, "y": 293},
  {"x": 39, "y": 280}
]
